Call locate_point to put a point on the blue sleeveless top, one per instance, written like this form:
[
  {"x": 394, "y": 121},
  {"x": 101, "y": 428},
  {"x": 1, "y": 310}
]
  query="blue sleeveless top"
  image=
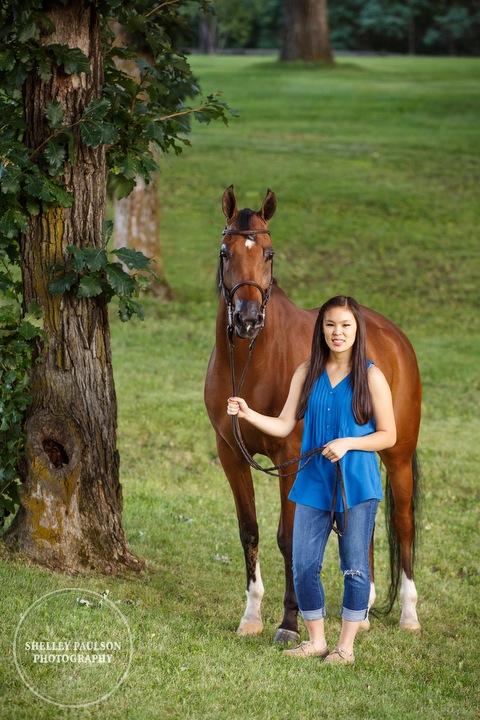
[{"x": 329, "y": 415}]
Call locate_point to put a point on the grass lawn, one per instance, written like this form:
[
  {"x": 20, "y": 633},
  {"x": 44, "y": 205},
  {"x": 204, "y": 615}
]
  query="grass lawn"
[{"x": 376, "y": 168}]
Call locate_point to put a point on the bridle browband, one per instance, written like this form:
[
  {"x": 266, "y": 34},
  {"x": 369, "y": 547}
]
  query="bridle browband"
[{"x": 237, "y": 433}]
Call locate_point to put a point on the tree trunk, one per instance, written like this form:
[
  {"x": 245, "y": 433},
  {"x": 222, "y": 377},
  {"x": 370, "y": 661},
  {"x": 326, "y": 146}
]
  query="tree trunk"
[
  {"x": 306, "y": 35},
  {"x": 136, "y": 218},
  {"x": 207, "y": 34},
  {"x": 412, "y": 34},
  {"x": 71, "y": 500},
  {"x": 136, "y": 225}
]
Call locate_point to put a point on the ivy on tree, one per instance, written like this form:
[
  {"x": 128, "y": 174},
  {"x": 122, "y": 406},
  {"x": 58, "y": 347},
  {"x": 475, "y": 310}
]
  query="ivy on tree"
[{"x": 137, "y": 120}]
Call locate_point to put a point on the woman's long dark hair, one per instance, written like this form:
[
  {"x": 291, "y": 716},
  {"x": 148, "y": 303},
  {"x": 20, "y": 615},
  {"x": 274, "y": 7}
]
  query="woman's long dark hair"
[{"x": 362, "y": 401}]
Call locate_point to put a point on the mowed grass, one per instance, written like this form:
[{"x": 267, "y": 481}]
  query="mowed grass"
[{"x": 376, "y": 169}]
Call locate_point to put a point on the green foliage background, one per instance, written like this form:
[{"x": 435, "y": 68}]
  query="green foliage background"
[{"x": 428, "y": 27}]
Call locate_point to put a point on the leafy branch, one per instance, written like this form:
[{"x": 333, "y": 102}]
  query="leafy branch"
[{"x": 90, "y": 271}]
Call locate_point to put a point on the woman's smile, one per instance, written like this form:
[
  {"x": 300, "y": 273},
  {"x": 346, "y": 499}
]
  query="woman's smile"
[{"x": 339, "y": 328}]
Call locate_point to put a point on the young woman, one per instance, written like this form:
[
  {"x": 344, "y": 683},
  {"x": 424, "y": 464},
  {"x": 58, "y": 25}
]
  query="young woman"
[{"x": 346, "y": 405}]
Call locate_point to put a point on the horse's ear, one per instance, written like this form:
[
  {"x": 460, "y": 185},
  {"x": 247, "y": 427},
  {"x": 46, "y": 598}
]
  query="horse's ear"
[
  {"x": 269, "y": 205},
  {"x": 229, "y": 204}
]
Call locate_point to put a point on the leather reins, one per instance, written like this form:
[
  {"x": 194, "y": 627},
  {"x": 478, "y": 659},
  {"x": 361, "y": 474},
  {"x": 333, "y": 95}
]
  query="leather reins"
[{"x": 236, "y": 389}]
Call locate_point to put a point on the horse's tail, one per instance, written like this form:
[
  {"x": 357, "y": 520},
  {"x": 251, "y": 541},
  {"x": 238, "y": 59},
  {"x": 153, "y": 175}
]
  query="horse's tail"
[{"x": 393, "y": 541}]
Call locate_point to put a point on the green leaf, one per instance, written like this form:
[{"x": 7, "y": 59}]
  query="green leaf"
[
  {"x": 94, "y": 129},
  {"x": 44, "y": 68},
  {"x": 7, "y": 60},
  {"x": 96, "y": 132},
  {"x": 12, "y": 222},
  {"x": 154, "y": 131},
  {"x": 127, "y": 308},
  {"x": 90, "y": 286},
  {"x": 95, "y": 258},
  {"x": 28, "y": 31},
  {"x": 78, "y": 260},
  {"x": 32, "y": 206},
  {"x": 59, "y": 194},
  {"x": 133, "y": 259},
  {"x": 34, "y": 311},
  {"x": 55, "y": 154},
  {"x": 11, "y": 179},
  {"x": 63, "y": 282},
  {"x": 27, "y": 330},
  {"x": 119, "y": 280},
  {"x": 122, "y": 186},
  {"x": 107, "y": 231},
  {"x": 130, "y": 166},
  {"x": 97, "y": 109},
  {"x": 55, "y": 114},
  {"x": 38, "y": 186},
  {"x": 73, "y": 59}
]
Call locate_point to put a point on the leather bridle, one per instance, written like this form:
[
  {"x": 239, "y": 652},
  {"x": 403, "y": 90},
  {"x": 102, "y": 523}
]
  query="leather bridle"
[{"x": 228, "y": 294}]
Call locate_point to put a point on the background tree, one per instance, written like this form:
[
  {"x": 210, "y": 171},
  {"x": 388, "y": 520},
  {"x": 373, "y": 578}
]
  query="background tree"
[
  {"x": 306, "y": 34},
  {"x": 245, "y": 24},
  {"x": 415, "y": 26},
  {"x": 64, "y": 102}
]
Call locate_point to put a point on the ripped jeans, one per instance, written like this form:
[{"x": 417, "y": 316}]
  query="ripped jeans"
[{"x": 311, "y": 530}]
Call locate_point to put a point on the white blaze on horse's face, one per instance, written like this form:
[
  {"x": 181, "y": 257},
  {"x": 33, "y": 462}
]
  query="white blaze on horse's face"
[{"x": 249, "y": 243}]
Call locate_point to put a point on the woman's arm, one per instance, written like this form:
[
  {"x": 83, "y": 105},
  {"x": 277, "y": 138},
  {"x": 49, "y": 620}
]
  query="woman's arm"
[
  {"x": 282, "y": 425},
  {"x": 385, "y": 434}
]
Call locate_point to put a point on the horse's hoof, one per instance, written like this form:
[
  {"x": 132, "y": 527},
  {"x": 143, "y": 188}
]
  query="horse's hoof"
[
  {"x": 364, "y": 625},
  {"x": 285, "y": 637},
  {"x": 250, "y": 627},
  {"x": 410, "y": 626}
]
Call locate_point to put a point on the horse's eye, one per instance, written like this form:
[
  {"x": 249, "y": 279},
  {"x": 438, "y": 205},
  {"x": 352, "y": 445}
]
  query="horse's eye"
[
  {"x": 269, "y": 253},
  {"x": 223, "y": 252}
]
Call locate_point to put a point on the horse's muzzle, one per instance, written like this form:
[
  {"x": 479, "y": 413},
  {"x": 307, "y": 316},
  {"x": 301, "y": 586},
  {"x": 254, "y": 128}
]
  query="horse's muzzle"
[{"x": 248, "y": 319}]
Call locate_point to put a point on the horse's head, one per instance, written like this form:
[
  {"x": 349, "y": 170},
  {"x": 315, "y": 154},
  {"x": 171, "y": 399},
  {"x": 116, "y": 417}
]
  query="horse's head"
[{"x": 245, "y": 272}]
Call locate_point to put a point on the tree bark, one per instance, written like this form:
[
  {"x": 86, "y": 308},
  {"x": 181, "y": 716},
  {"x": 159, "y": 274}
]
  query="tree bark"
[
  {"x": 306, "y": 35},
  {"x": 70, "y": 515}
]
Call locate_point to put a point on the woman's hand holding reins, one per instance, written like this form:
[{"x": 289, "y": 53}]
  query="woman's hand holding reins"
[
  {"x": 336, "y": 449},
  {"x": 237, "y": 406}
]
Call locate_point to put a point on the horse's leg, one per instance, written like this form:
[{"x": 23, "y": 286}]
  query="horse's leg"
[
  {"x": 400, "y": 475},
  {"x": 240, "y": 479},
  {"x": 288, "y": 629},
  {"x": 365, "y": 624}
]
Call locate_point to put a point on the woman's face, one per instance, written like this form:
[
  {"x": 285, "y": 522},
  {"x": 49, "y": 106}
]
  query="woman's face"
[{"x": 339, "y": 329}]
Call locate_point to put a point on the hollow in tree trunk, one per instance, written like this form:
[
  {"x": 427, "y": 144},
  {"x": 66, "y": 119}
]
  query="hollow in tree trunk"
[{"x": 70, "y": 515}]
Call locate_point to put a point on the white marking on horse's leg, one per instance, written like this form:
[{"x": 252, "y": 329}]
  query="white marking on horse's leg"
[
  {"x": 408, "y": 598},
  {"x": 251, "y": 622},
  {"x": 365, "y": 624},
  {"x": 373, "y": 595}
]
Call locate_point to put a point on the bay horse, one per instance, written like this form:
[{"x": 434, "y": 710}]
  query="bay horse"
[{"x": 254, "y": 310}]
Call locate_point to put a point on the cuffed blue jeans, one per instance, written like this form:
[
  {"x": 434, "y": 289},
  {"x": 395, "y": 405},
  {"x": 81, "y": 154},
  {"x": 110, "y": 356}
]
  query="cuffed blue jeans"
[{"x": 311, "y": 530}]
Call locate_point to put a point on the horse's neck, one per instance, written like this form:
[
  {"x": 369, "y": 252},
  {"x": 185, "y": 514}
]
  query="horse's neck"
[{"x": 286, "y": 324}]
